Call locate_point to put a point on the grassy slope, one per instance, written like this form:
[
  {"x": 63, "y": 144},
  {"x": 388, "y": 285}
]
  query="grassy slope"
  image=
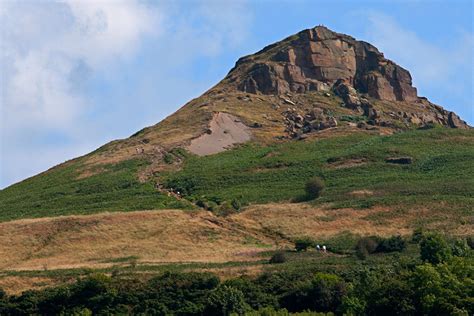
[
  {"x": 60, "y": 191},
  {"x": 442, "y": 174},
  {"x": 442, "y": 177}
]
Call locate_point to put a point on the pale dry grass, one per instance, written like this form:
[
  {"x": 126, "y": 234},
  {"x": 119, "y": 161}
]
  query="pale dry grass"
[
  {"x": 152, "y": 236},
  {"x": 18, "y": 284},
  {"x": 300, "y": 219},
  {"x": 174, "y": 236}
]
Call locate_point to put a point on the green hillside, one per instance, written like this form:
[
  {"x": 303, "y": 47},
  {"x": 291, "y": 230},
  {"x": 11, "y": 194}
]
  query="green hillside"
[
  {"x": 441, "y": 177},
  {"x": 62, "y": 191},
  {"x": 442, "y": 170}
]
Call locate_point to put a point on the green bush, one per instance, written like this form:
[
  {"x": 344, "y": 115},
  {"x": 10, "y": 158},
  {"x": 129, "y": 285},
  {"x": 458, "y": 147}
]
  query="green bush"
[
  {"x": 366, "y": 246},
  {"x": 391, "y": 244},
  {"x": 168, "y": 158},
  {"x": 417, "y": 235},
  {"x": 322, "y": 293},
  {"x": 470, "y": 242},
  {"x": 460, "y": 248},
  {"x": 434, "y": 249},
  {"x": 314, "y": 187},
  {"x": 226, "y": 300},
  {"x": 302, "y": 244},
  {"x": 278, "y": 257},
  {"x": 254, "y": 294},
  {"x": 236, "y": 204}
]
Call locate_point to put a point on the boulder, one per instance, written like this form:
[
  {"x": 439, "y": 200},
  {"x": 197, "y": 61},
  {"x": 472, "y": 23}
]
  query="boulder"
[
  {"x": 348, "y": 94},
  {"x": 455, "y": 122}
]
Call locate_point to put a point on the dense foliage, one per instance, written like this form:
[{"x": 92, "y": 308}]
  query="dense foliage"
[{"x": 404, "y": 287}]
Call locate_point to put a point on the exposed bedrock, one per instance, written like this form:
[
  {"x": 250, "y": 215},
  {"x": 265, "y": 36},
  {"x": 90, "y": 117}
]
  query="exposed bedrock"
[{"x": 315, "y": 59}]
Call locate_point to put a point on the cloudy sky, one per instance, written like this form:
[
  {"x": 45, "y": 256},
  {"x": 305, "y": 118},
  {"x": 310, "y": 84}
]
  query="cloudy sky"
[{"x": 77, "y": 74}]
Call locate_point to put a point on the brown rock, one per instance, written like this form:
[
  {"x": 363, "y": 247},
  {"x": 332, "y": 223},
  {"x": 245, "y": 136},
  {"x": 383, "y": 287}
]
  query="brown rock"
[
  {"x": 318, "y": 57},
  {"x": 455, "y": 122},
  {"x": 348, "y": 94}
]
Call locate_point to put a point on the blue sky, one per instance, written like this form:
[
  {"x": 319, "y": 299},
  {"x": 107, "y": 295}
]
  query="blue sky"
[{"x": 77, "y": 74}]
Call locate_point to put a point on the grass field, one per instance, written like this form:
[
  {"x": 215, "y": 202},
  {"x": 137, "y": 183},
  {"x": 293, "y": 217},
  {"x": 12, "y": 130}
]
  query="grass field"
[
  {"x": 62, "y": 191},
  {"x": 441, "y": 176}
]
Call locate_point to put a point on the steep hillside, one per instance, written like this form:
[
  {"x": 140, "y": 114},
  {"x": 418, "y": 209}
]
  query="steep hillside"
[
  {"x": 219, "y": 187},
  {"x": 302, "y": 106}
]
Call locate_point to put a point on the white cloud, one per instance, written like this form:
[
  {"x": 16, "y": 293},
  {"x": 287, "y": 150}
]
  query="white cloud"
[
  {"x": 47, "y": 49},
  {"x": 51, "y": 48},
  {"x": 43, "y": 44}
]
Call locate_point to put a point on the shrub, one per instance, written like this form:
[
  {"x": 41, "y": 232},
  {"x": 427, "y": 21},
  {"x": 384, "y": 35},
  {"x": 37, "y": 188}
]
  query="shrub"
[
  {"x": 226, "y": 300},
  {"x": 278, "y": 257},
  {"x": 236, "y": 204},
  {"x": 460, "y": 248},
  {"x": 342, "y": 243},
  {"x": 323, "y": 293},
  {"x": 168, "y": 158},
  {"x": 254, "y": 294},
  {"x": 470, "y": 242},
  {"x": 314, "y": 187},
  {"x": 226, "y": 208},
  {"x": 417, "y": 235},
  {"x": 302, "y": 244},
  {"x": 366, "y": 246},
  {"x": 391, "y": 244},
  {"x": 434, "y": 249}
]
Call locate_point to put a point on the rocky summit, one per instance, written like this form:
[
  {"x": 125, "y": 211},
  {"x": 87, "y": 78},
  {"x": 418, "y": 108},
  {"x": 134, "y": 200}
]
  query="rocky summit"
[
  {"x": 316, "y": 59},
  {"x": 319, "y": 59}
]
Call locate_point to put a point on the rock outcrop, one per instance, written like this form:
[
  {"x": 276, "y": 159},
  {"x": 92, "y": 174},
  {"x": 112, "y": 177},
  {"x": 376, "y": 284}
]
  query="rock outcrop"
[
  {"x": 298, "y": 124},
  {"x": 317, "y": 58}
]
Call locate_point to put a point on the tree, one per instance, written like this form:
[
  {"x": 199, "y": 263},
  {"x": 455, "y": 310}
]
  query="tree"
[
  {"x": 323, "y": 293},
  {"x": 326, "y": 292},
  {"x": 434, "y": 249},
  {"x": 314, "y": 187},
  {"x": 225, "y": 300}
]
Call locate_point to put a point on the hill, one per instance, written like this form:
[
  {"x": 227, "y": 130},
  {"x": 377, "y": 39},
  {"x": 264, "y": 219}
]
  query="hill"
[
  {"x": 219, "y": 185},
  {"x": 313, "y": 86}
]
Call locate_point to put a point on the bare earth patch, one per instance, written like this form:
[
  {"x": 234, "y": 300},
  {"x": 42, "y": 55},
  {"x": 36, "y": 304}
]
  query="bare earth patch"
[
  {"x": 225, "y": 130},
  {"x": 350, "y": 163},
  {"x": 361, "y": 193}
]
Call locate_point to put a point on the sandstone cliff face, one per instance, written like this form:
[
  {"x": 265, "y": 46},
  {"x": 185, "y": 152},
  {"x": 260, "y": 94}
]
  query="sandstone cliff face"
[
  {"x": 315, "y": 59},
  {"x": 319, "y": 59}
]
